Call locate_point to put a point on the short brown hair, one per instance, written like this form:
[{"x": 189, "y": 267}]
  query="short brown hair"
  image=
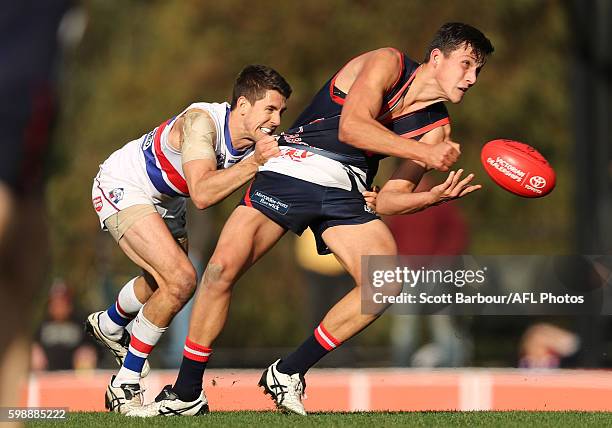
[
  {"x": 253, "y": 82},
  {"x": 453, "y": 35}
]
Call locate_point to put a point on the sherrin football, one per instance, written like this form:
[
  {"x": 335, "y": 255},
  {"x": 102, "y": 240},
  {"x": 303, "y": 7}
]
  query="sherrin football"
[{"x": 518, "y": 168}]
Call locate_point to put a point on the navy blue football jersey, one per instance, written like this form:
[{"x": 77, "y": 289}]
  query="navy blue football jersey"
[{"x": 317, "y": 126}]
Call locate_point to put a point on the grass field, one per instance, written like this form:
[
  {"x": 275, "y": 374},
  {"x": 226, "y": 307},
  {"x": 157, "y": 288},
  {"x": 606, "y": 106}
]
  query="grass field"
[{"x": 372, "y": 419}]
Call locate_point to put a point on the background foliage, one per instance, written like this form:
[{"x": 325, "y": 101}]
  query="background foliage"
[{"x": 143, "y": 61}]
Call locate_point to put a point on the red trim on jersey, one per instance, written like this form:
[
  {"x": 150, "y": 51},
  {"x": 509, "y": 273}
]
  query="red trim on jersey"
[
  {"x": 140, "y": 346},
  {"x": 401, "y": 92},
  {"x": 107, "y": 200},
  {"x": 399, "y": 76},
  {"x": 390, "y": 119},
  {"x": 340, "y": 100},
  {"x": 247, "y": 197},
  {"x": 332, "y": 85},
  {"x": 172, "y": 174},
  {"x": 427, "y": 128}
]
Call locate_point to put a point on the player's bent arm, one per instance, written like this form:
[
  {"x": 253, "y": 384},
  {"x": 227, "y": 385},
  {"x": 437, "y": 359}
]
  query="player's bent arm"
[
  {"x": 359, "y": 127},
  {"x": 431, "y": 138},
  {"x": 398, "y": 197},
  {"x": 209, "y": 186},
  {"x": 397, "y": 194},
  {"x": 358, "y": 124}
]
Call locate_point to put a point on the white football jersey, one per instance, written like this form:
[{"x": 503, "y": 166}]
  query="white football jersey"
[{"x": 149, "y": 171}]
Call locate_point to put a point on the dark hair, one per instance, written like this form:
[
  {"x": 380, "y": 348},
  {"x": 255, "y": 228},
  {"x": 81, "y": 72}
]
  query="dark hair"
[
  {"x": 454, "y": 35},
  {"x": 253, "y": 82}
]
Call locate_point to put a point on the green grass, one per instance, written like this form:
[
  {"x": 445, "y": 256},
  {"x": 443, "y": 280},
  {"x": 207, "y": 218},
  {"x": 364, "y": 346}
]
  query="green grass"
[{"x": 371, "y": 419}]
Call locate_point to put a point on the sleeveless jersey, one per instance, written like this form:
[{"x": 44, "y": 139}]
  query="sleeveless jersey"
[
  {"x": 316, "y": 129},
  {"x": 163, "y": 164},
  {"x": 152, "y": 164}
]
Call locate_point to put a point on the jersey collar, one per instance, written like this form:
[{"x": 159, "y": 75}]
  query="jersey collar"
[{"x": 228, "y": 137}]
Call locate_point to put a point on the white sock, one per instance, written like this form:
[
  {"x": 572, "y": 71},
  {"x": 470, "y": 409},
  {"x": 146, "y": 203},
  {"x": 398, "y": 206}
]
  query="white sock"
[
  {"x": 120, "y": 313},
  {"x": 145, "y": 336}
]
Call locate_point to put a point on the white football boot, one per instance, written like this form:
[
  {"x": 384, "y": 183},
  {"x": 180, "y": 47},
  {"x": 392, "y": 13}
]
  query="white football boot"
[
  {"x": 167, "y": 403},
  {"x": 119, "y": 347},
  {"x": 123, "y": 398},
  {"x": 286, "y": 390}
]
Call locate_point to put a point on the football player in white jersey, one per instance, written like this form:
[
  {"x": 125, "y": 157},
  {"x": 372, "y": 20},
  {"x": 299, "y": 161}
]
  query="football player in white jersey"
[{"x": 139, "y": 195}]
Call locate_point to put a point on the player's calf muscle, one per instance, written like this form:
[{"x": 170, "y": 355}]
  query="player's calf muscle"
[{"x": 145, "y": 286}]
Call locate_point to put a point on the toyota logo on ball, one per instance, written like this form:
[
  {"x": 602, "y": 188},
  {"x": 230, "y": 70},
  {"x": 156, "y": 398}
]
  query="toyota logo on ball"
[{"x": 537, "y": 181}]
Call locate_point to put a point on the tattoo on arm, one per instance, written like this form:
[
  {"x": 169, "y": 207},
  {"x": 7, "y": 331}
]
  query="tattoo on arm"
[{"x": 198, "y": 137}]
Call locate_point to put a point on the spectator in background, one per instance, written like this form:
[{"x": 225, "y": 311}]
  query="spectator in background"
[
  {"x": 60, "y": 343},
  {"x": 438, "y": 231}
]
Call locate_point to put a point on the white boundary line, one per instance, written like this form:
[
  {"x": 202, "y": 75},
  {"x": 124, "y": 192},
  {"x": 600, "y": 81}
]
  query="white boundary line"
[
  {"x": 475, "y": 391},
  {"x": 359, "y": 392},
  {"x": 33, "y": 392}
]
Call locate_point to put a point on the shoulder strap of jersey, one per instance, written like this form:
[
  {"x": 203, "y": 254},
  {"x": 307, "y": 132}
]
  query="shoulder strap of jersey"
[{"x": 401, "y": 86}]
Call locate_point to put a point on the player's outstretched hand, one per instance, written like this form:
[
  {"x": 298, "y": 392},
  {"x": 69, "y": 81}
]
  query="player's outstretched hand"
[
  {"x": 442, "y": 156},
  {"x": 453, "y": 188},
  {"x": 266, "y": 148},
  {"x": 370, "y": 197}
]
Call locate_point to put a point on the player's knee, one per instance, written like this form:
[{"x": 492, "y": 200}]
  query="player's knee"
[
  {"x": 219, "y": 274},
  {"x": 183, "y": 284}
]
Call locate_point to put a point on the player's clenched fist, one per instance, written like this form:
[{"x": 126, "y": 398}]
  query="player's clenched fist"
[
  {"x": 442, "y": 156},
  {"x": 265, "y": 149}
]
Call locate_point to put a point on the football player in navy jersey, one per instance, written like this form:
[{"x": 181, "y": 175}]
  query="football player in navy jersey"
[{"x": 379, "y": 104}]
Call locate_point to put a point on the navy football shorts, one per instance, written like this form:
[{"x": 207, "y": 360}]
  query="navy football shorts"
[{"x": 297, "y": 204}]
